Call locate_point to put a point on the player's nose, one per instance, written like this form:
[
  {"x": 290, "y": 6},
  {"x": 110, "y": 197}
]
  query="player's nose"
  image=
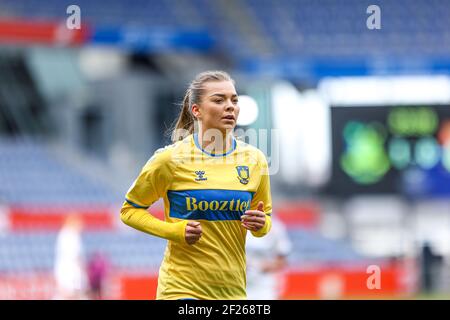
[{"x": 230, "y": 106}]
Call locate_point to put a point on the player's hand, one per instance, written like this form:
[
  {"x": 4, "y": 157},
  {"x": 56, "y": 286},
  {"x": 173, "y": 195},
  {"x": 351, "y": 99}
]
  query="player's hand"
[
  {"x": 254, "y": 220},
  {"x": 193, "y": 232}
]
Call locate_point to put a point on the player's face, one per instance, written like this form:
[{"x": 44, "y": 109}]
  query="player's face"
[{"x": 219, "y": 107}]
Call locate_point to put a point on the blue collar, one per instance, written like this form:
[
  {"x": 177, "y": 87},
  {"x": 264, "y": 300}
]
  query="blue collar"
[{"x": 233, "y": 147}]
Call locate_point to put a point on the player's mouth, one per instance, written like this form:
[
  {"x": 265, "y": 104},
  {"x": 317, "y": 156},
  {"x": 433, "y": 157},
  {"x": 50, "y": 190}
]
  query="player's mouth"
[{"x": 229, "y": 117}]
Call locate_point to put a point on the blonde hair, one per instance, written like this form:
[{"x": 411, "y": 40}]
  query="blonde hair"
[{"x": 186, "y": 120}]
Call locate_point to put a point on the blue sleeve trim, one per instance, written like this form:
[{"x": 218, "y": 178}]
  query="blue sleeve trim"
[{"x": 135, "y": 205}]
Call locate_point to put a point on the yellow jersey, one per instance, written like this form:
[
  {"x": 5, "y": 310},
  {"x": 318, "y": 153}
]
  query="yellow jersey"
[{"x": 214, "y": 189}]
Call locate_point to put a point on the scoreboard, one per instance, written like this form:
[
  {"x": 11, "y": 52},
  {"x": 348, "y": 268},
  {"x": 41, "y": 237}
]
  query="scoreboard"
[{"x": 391, "y": 149}]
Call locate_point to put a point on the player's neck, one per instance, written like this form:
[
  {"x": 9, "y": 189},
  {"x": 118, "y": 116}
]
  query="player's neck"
[{"x": 218, "y": 142}]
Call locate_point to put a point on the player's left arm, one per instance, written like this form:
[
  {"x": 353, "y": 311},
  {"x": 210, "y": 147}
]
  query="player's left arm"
[{"x": 258, "y": 219}]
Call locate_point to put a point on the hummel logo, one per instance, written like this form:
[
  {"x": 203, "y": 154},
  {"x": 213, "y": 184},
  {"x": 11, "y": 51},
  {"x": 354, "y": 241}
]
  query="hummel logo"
[{"x": 200, "y": 176}]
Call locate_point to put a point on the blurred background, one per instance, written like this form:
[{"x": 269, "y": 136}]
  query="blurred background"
[{"x": 362, "y": 108}]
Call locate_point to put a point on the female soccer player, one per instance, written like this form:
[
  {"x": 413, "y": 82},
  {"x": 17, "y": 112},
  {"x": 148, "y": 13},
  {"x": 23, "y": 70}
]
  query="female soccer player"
[{"x": 214, "y": 187}]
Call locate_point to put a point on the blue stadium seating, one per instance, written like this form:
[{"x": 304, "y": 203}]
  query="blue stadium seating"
[
  {"x": 297, "y": 30},
  {"x": 30, "y": 174},
  {"x": 35, "y": 251},
  {"x": 294, "y": 30},
  {"x": 310, "y": 246}
]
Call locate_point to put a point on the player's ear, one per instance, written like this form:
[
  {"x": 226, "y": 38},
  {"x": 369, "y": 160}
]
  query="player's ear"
[{"x": 196, "y": 111}]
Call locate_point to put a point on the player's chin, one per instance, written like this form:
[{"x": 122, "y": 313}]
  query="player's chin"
[
  {"x": 227, "y": 128},
  {"x": 227, "y": 124}
]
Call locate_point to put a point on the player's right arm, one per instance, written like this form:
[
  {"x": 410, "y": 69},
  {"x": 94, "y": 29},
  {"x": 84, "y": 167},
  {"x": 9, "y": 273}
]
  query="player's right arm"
[{"x": 150, "y": 185}]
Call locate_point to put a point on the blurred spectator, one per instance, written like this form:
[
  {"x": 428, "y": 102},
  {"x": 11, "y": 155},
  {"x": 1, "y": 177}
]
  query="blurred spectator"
[
  {"x": 70, "y": 273},
  {"x": 431, "y": 263},
  {"x": 266, "y": 259},
  {"x": 3, "y": 219},
  {"x": 97, "y": 271}
]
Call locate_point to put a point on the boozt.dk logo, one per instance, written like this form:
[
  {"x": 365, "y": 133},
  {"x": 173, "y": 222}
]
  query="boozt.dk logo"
[
  {"x": 221, "y": 205},
  {"x": 209, "y": 204},
  {"x": 243, "y": 174},
  {"x": 200, "y": 176}
]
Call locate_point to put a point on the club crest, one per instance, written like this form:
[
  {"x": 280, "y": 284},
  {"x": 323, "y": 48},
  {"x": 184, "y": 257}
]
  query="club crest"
[{"x": 243, "y": 174}]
